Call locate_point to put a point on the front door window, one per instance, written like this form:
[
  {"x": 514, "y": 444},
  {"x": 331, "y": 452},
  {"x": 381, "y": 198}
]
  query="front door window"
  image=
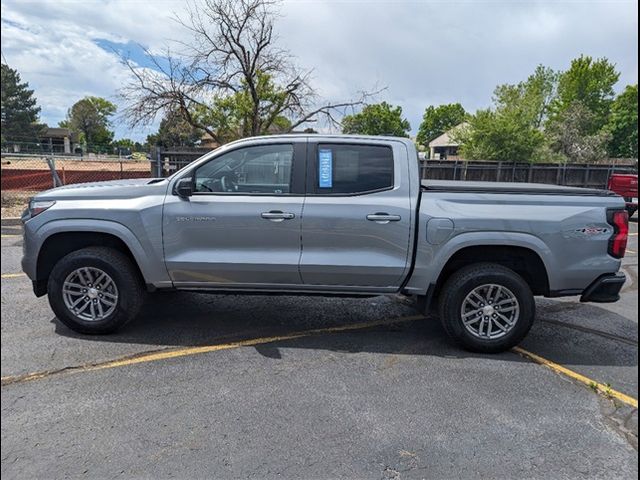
[{"x": 263, "y": 169}]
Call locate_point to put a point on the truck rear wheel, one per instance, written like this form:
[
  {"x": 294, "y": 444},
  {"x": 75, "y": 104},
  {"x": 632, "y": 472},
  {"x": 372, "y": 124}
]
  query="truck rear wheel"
[
  {"x": 487, "y": 308},
  {"x": 95, "y": 290}
]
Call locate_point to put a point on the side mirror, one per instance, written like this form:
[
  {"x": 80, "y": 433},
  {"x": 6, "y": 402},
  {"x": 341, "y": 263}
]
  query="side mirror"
[{"x": 184, "y": 187}]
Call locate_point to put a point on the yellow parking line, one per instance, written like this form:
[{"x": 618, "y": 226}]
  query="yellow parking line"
[
  {"x": 183, "y": 352},
  {"x": 635, "y": 234},
  {"x": 599, "y": 387},
  {"x": 9, "y": 235},
  {"x": 12, "y": 275},
  {"x": 188, "y": 351},
  {"x": 633, "y": 252}
]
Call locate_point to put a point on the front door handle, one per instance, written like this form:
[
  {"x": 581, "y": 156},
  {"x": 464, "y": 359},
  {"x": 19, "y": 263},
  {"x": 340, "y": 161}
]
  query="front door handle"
[
  {"x": 277, "y": 215},
  {"x": 383, "y": 218}
]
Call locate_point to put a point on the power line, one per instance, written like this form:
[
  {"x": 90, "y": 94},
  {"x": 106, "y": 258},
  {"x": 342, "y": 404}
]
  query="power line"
[{"x": 5, "y": 59}]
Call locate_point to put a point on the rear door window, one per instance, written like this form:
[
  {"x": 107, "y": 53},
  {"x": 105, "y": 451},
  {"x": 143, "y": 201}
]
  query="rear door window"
[{"x": 352, "y": 169}]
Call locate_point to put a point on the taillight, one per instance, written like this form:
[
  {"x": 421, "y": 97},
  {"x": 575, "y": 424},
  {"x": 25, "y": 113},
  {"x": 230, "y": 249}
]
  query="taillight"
[{"x": 619, "y": 219}]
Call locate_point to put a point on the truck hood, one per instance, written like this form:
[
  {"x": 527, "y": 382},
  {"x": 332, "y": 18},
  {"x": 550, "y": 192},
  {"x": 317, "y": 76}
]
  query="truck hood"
[{"x": 131, "y": 188}]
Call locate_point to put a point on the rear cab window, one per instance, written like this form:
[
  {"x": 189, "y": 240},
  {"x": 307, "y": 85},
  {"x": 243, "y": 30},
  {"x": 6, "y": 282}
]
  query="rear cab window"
[{"x": 351, "y": 169}]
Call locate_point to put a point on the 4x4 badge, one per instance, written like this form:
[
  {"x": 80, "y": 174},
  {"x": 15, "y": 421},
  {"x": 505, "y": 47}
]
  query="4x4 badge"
[{"x": 593, "y": 230}]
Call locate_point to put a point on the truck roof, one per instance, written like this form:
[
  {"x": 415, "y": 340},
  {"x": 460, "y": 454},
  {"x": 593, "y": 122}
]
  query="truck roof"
[{"x": 324, "y": 136}]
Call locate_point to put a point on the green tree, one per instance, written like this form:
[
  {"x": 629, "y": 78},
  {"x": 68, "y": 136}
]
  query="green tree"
[
  {"x": 90, "y": 118},
  {"x": 19, "y": 109},
  {"x": 589, "y": 82},
  {"x": 377, "y": 119},
  {"x": 124, "y": 143},
  {"x": 502, "y": 136},
  {"x": 125, "y": 146},
  {"x": 232, "y": 116},
  {"x": 623, "y": 124},
  {"x": 174, "y": 131},
  {"x": 512, "y": 131},
  {"x": 530, "y": 100},
  {"x": 437, "y": 120},
  {"x": 570, "y": 135}
]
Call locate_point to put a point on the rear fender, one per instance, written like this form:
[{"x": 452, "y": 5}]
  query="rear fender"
[{"x": 431, "y": 259}]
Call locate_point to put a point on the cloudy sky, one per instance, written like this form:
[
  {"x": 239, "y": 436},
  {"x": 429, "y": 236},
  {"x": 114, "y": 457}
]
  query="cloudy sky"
[{"x": 425, "y": 52}]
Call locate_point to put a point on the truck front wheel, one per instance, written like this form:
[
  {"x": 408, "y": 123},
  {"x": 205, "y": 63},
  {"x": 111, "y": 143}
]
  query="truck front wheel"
[
  {"x": 95, "y": 290},
  {"x": 486, "y": 308}
]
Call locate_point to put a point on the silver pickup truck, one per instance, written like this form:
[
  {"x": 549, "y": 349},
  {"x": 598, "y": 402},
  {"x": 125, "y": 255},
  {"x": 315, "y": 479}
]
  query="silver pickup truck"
[{"x": 330, "y": 215}]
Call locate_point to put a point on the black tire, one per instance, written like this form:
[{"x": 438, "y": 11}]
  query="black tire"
[
  {"x": 123, "y": 273},
  {"x": 462, "y": 283},
  {"x": 631, "y": 211}
]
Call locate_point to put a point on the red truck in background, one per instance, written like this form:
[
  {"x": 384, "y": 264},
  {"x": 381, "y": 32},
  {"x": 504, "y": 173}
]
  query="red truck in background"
[{"x": 626, "y": 185}]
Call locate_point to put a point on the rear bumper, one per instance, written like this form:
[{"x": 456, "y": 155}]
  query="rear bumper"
[
  {"x": 606, "y": 289},
  {"x": 631, "y": 200}
]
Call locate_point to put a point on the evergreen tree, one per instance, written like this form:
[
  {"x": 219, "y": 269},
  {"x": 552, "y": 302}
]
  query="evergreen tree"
[{"x": 19, "y": 109}]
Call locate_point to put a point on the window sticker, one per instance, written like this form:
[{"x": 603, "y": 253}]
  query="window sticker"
[{"x": 325, "y": 168}]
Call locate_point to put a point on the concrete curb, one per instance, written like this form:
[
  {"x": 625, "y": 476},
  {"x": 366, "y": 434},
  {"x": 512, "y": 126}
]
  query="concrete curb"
[{"x": 11, "y": 222}]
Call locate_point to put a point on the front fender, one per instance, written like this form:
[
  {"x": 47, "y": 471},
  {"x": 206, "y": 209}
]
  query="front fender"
[{"x": 152, "y": 269}]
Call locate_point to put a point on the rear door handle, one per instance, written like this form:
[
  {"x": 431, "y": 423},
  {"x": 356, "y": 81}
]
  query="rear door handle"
[
  {"x": 277, "y": 215},
  {"x": 383, "y": 218}
]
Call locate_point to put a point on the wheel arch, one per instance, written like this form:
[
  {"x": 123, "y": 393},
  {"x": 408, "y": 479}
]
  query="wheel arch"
[
  {"x": 525, "y": 261},
  {"x": 61, "y": 238}
]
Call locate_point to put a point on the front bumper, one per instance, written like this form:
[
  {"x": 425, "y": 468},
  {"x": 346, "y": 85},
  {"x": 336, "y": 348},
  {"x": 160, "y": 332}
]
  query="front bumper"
[
  {"x": 29, "y": 254},
  {"x": 606, "y": 289}
]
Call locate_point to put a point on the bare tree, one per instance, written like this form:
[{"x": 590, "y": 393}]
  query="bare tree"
[{"x": 231, "y": 64}]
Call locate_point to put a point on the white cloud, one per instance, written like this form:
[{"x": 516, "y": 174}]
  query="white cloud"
[
  {"x": 53, "y": 47},
  {"x": 426, "y": 52}
]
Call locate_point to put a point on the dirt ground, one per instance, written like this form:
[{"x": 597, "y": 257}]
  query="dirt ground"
[
  {"x": 79, "y": 164},
  {"x": 14, "y": 202}
]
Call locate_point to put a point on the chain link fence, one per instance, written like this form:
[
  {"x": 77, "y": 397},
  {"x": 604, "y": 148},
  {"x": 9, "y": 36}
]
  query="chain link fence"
[
  {"x": 41, "y": 171},
  {"x": 31, "y": 172}
]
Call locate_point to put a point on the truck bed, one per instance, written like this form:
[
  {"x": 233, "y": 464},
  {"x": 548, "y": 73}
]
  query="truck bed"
[{"x": 510, "y": 188}]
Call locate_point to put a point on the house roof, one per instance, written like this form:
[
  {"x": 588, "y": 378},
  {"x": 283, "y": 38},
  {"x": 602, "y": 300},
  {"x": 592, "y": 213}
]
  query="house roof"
[
  {"x": 446, "y": 139},
  {"x": 57, "y": 132}
]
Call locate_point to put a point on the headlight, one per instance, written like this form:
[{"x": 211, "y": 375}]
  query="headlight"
[{"x": 37, "y": 207}]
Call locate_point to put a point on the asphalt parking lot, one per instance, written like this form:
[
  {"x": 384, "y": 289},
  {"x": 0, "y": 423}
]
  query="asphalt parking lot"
[{"x": 222, "y": 386}]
